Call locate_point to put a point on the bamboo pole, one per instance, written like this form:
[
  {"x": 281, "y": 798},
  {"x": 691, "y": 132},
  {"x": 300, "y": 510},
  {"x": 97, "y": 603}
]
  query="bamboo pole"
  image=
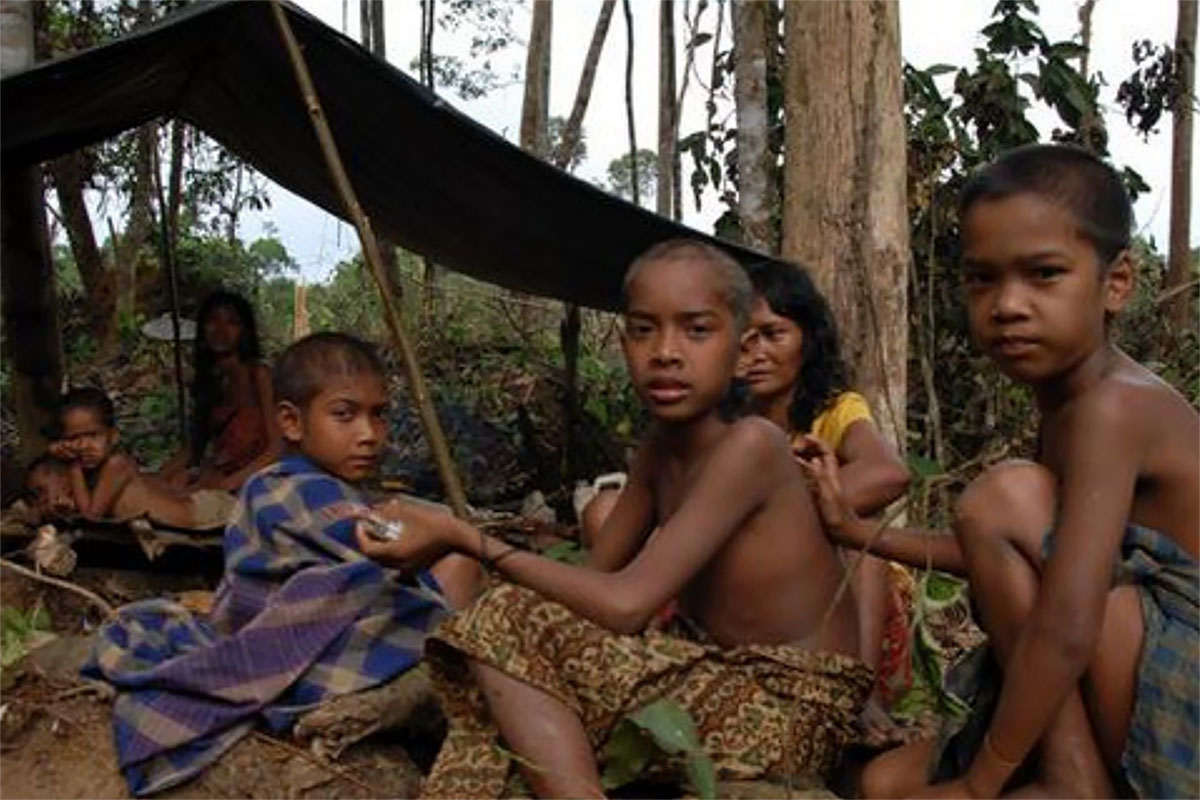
[
  {"x": 416, "y": 381},
  {"x": 168, "y": 238}
]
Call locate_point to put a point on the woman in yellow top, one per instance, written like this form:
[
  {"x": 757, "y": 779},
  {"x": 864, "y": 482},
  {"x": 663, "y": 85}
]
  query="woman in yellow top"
[{"x": 792, "y": 365}]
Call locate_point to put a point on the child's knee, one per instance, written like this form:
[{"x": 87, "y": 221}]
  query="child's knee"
[{"x": 1014, "y": 499}]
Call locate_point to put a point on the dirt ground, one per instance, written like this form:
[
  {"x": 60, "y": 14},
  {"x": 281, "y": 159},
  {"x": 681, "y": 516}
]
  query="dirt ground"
[{"x": 55, "y": 734}]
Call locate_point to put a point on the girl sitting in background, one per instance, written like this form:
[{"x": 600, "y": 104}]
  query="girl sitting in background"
[{"x": 234, "y": 431}]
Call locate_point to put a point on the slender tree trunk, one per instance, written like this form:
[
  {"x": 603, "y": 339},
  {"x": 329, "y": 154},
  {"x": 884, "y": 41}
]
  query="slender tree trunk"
[
  {"x": 634, "y": 181},
  {"x": 583, "y": 94},
  {"x": 1179, "y": 265},
  {"x": 371, "y": 19},
  {"x": 535, "y": 109},
  {"x": 756, "y": 188},
  {"x": 1090, "y": 125},
  {"x": 572, "y": 323},
  {"x": 27, "y": 295},
  {"x": 845, "y": 212},
  {"x": 665, "y": 192},
  {"x": 432, "y": 274}
]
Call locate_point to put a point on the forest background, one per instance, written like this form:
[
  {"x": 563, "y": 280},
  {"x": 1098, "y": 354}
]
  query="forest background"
[{"x": 533, "y": 394}]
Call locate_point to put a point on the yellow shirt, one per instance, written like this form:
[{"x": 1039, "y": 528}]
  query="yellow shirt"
[{"x": 832, "y": 423}]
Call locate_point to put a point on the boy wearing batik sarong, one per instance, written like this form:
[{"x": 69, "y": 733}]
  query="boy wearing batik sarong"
[
  {"x": 1096, "y": 624},
  {"x": 301, "y": 615},
  {"x": 713, "y": 513}
]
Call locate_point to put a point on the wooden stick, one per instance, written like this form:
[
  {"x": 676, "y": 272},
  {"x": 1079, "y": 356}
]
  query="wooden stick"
[
  {"x": 333, "y": 769},
  {"x": 416, "y": 381},
  {"x": 94, "y": 598}
]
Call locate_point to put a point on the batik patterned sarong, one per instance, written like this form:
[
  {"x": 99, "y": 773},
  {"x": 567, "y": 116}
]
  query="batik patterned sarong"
[
  {"x": 761, "y": 711},
  {"x": 300, "y": 616}
]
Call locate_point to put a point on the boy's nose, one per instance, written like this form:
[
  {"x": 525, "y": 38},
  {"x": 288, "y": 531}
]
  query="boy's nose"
[
  {"x": 666, "y": 350},
  {"x": 1009, "y": 302}
]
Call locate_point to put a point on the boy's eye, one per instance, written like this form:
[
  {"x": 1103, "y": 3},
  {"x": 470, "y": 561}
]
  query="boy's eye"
[
  {"x": 974, "y": 278},
  {"x": 1047, "y": 273},
  {"x": 698, "y": 331},
  {"x": 637, "y": 329},
  {"x": 342, "y": 413}
]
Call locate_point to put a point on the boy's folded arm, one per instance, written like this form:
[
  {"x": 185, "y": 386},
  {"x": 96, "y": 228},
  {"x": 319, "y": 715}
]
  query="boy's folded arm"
[
  {"x": 115, "y": 475},
  {"x": 630, "y": 521},
  {"x": 1097, "y": 463},
  {"x": 734, "y": 482}
]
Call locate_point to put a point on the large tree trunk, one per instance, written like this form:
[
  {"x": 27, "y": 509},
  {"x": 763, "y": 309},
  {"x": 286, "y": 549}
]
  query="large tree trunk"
[
  {"x": 665, "y": 191},
  {"x": 756, "y": 186},
  {"x": 30, "y": 312},
  {"x": 1179, "y": 253},
  {"x": 845, "y": 212}
]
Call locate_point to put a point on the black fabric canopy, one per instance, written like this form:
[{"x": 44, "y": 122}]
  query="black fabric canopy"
[{"x": 429, "y": 178}]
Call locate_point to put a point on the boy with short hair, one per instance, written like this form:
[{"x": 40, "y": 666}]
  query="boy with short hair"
[
  {"x": 1083, "y": 565},
  {"x": 301, "y": 615},
  {"x": 714, "y": 513},
  {"x": 107, "y": 483}
]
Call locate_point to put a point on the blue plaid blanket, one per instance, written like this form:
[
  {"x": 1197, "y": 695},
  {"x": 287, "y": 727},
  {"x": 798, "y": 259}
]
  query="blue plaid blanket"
[{"x": 300, "y": 616}]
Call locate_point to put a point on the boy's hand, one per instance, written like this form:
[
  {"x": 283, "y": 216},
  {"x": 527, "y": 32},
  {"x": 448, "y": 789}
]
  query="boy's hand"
[
  {"x": 63, "y": 450},
  {"x": 428, "y": 534},
  {"x": 820, "y": 465}
]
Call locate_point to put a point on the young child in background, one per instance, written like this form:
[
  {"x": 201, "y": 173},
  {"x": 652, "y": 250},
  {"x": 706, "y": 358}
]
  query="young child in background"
[
  {"x": 234, "y": 432},
  {"x": 106, "y": 482},
  {"x": 1083, "y": 565},
  {"x": 762, "y": 652},
  {"x": 48, "y": 490}
]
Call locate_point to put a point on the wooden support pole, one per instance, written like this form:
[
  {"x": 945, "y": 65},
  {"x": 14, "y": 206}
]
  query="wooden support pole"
[{"x": 412, "y": 370}]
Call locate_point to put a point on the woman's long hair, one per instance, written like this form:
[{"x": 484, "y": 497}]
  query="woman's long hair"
[
  {"x": 789, "y": 291},
  {"x": 207, "y": 390}
]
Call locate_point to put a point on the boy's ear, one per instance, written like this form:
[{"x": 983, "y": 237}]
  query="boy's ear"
[
  {"x": 1119, "y": 281},
  {"x": 288, "y": 416}
]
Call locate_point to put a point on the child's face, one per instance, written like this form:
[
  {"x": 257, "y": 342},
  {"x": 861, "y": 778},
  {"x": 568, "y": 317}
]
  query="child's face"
[
  {"x": 344, "y": 428},
  {"x": 91, "y": 440},
  {"x": 1036, "y": 293},
  {"x": 50, "y": 493},
  {"x": 223, "y": 330},
  {"x": 771, "y": 352},
  {"x": 679, "y": 339}
]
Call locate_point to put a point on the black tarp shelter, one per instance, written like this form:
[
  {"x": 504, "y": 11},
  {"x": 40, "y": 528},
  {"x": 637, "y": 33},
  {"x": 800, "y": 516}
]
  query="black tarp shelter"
[{"x": 428, "y": 177}]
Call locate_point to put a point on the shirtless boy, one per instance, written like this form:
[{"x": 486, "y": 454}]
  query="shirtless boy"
[
  {"x": 713, "y": 513},
  {"x": 106, "y": 482},
  {"x": 1095, "y": 623}
]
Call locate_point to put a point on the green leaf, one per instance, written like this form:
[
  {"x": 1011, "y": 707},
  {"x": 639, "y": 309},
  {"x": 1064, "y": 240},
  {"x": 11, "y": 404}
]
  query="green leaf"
[
  {"x": 669, "y": 724},
  {"x": 939, "y": 590},
  {"x": 940, "y": 69},
  {"x": 568, "y": 551},
  {"x": 702, "y": 774},
  {"x": 626, "y": 754},
  {"x": 923, "y": 467}
]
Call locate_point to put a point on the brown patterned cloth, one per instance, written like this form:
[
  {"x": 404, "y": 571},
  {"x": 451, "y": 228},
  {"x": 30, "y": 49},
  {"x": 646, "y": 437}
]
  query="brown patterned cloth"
[{"x": 760, "y": 710}]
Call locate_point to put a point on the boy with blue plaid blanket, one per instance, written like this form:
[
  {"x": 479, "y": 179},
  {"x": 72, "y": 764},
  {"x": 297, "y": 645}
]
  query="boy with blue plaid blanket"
[{"x": 301, "y": 614}]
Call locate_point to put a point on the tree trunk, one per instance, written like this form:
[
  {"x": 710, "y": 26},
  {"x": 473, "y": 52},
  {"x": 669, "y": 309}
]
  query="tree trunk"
[
  {"x": 535, "y": 108},
  {"x": 27, "y": 294},
  {"x": 634, "y": 182},
  {"x": 583, "y": 94},
  {"x": 430, "y": 310},
  {"x": 70, "y": 172},
  {"x": 665, "y": 192},
  {"x": 845, "y": 213},
  {"x": 756, "y": 187},
  {"x": 1179, "y": 265},
  {"x": 572, "y": 323}
]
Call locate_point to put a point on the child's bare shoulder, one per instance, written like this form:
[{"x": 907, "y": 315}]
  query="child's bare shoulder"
[
  {"x": 755, "y": 437},
  {"x": 120, "y": 463},
  {"x": 1132, "y": 403}
]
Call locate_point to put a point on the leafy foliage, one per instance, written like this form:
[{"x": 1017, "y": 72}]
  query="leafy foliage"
[
  {"x": 21, "y": 631},
  {"x": 662, "y": 727}
]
